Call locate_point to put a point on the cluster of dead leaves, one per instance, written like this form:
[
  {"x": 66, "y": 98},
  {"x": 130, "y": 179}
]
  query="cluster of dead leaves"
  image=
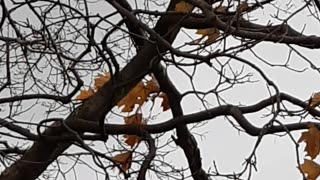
[{"x": 141, "y": 93}]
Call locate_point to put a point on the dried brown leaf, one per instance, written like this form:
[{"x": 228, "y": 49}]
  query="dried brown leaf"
[
  {"x": 139, "y": 95},
  {"x": 310, "y": 168},
  {"x": 312, "y": 140},
  {"x": 124, "y": 160}
]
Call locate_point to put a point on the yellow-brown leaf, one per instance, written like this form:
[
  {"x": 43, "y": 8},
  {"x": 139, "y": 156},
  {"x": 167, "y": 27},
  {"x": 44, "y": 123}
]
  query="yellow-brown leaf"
[
  {"x": 312, "y": 140},
  {"x": 183, "y": 7},
  {"x": 124, "y": 160},
  {"x": 139, "y": 95},
  {"x": 310, "y": 168},
  {"x": 85, "y": 94}
]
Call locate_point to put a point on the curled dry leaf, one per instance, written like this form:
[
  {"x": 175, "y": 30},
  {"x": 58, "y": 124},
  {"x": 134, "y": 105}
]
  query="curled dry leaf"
[
  {"x": 183, "y": 7},
  {"x": 124, "y": 160},
  {"x": 310, "y": 168},
  {"x": 312, "y": 140},
  {"x": 139, "y": 94}
]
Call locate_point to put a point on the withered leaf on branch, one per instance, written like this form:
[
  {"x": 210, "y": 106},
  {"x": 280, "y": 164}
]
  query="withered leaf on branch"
[
  {"x": 312, "y": 140},
  {"x": 310, "y": 168},
  {"x": 124, "y": 160},
  {"x": 139, "y": 94}
]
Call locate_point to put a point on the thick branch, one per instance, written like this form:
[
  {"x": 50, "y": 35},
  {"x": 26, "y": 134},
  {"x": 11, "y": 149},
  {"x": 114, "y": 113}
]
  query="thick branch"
[
  {"x": 226, "y": 110},
  {"x": 185, "y": 139}
]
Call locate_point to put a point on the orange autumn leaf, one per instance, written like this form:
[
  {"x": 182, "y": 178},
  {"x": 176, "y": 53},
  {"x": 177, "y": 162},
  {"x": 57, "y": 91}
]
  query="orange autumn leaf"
[
  {"x": 101, "y": 80},
  {"x": 138, "y": 95},
  {"x": 124, "y": 160},
  {"x": 310, "y": 168},
  {"x": 183, "y": 7},
  {"x": 136, "y": 119},
  {"x": 212, "y": 34},
  {"x": 165, "y": 101},
  {"x": 315, "y": 100},
  {"x": 85, "y": 94},
  {"x": 312, "y": 140}
]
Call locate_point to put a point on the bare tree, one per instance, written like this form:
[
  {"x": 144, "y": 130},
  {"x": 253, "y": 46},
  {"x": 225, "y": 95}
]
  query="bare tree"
[{"x": 53, "y": 49}]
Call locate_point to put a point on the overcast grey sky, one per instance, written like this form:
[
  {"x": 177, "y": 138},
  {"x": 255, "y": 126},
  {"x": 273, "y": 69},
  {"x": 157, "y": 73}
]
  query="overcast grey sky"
[{"x": 223, "y": 144}]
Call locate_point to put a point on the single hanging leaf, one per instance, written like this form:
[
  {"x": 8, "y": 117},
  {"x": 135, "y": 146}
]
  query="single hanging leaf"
[
  {"x": 124, "y": 160},
  {"x": 101, "y": 80},
  {"x": 310, "y": 168},
  {"x": 211, "y": 33},
  {"x": 165, "y": 101},
  {"x": 312, "y": 140},
  {"x": 136, "y": 119},
  {"x": 183, "y": 7},
  {"x": 85, "y": 94},
  {"x": 315, "y": 100}
]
